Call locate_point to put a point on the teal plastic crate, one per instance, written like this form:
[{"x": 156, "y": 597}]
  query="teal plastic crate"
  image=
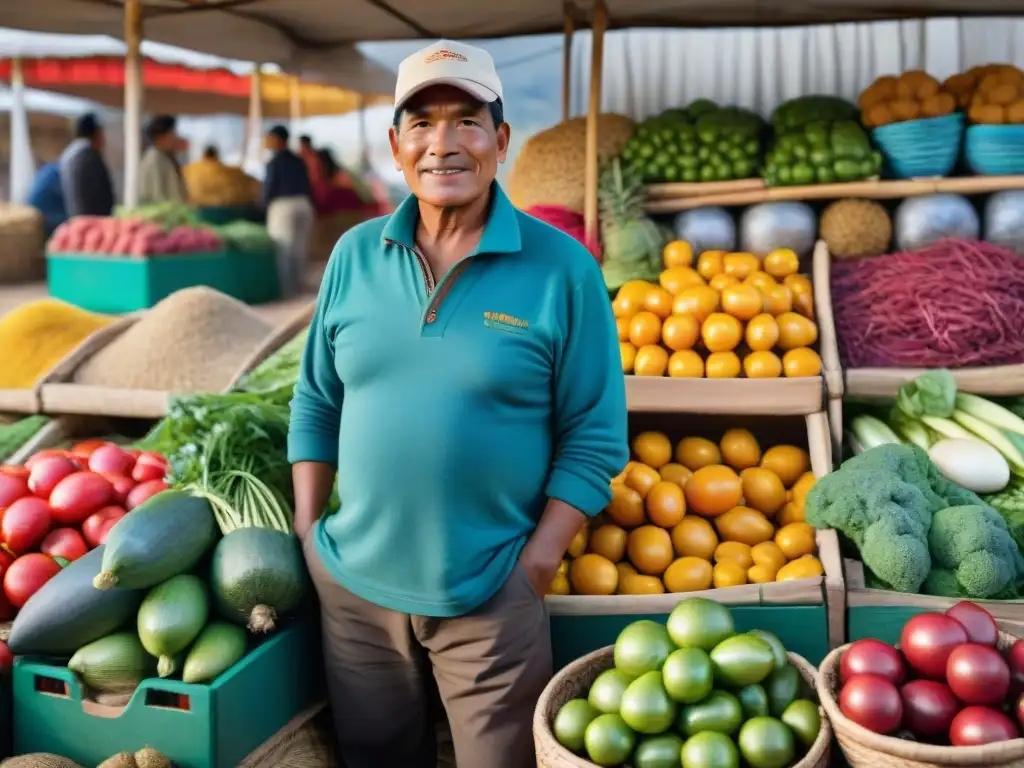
[
  {"x": 256, "y": 273},
  {"x": 803, "y": 629},
  {"x": 225, "y": 214},
  {"x": 196, "y": 726},
  {"x": 6, "y": 724}
]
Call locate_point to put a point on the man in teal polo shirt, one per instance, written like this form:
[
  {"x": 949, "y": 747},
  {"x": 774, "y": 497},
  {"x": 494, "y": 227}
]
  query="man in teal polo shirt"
[{"x": 462, "y": 375}]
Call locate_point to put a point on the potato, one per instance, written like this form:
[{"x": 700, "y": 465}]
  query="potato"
[
  {"x": 987, "y": 114},
  {"x": 904, "y": 109},
  {"x": 1015, "y": 113},
  {"x": 938, "y": 105},
  {"x": 1003, "y": 95}
]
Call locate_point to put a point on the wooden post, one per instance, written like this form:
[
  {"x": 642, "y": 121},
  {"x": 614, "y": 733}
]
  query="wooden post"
[
  {"x": 253, "y": 146},
  {"x": 567, "y": 11},
  {"x": 133, "y": 98},
  {"x": 294, "y": 103},
  {"x": 598, "y": 26}
]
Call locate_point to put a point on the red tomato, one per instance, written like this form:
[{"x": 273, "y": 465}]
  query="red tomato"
[
  {"x": 873, "y": 702},
  {"x": 6, "y": 558},
  {"x": 12, "y": 488},
  {"x": 86, "y": 448},
  {"x": 6, "y": 609},
  {"x": 134, "y": 453},
  {"x": 46, "y": 473},
  {"x": 79, "y": 495},
  {"x": 974, "y": 726},
  {"x": 111, "y": 459},
  {"x": 122, "y": 487},
  {"x": 976, "y": 621},
  {"x": 978, "y": 674},
  {"x": 872, "y": 657},
  {"x": 1018, "y": 711},
  {"x": 25, "y": 524},
  {"x": 148, "y": 470},
  {"x": 46, "y": 454},
  {"x": 928, "y": 707},
  {"x": 14, "y": 471},
  {"x": 143, "y": 492},
  {"x": 1015, "y": 658},
  {"x": 64, "y": 542},
  {"x": 98, "y": 524},
  {"x": 26, "y": 575},
  {"x": 928, "y": 639},
  {"x": 6, "y": 659}
]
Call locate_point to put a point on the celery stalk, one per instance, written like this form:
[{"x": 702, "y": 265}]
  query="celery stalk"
[
  {"x": 915, "y": 432},
  {"x": 870, "y": 431},
  {"x": 948, "y": 428},
  {"x": 993, "y": 437},
  {"x": 990, "y": 413}
]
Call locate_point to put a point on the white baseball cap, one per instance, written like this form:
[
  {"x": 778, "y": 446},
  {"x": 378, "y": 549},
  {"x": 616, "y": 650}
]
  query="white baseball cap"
[{"x": 447, "y": 62}]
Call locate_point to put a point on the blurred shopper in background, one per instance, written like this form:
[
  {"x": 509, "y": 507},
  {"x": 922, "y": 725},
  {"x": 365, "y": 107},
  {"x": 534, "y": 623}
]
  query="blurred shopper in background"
[
  {"x": 160, "y": 177},
  {"x": 47, "y": 197},
  {"x": 288, "y": 200},
  {"x": 84, "y": 176},
  {"x": 311, "y": 157}
]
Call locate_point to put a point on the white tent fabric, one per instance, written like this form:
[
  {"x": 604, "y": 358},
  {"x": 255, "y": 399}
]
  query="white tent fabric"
[
  {"x": 23, "y": 166},
  {"x": 648, "y": 71}
]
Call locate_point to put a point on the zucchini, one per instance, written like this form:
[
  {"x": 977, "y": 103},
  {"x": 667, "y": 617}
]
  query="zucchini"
[
  {"x": 257, "y": 576},
  {"x": 162, "y": 537},
  {"x": 219, "y": 646},
  {"x": 116, "y": 663},
  {"x": 68, "y": 612},
  {"x": 171, "y": 617}
]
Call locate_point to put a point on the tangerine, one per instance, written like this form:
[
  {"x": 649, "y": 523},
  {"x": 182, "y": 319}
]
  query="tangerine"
[
  {"x": 713, "y": 490},
  {"x": 723, "y": 281},
  {"x": 728, "y": 573},
  {"x": 740, "y": 448},
  {"x": 627, "y": 352},
  {"x": 762, "y": 333},
  {"x": 677, "y": 253},
  {"x": 677, "y": 279},
  {"x": 658, "y": 301},
  {"x": 626, "y": 508},
  {"x": 640, "y": 584},
  {"x": 763, "y": 490},
  {"x": 781, "y": 263},
  {"x": 653, "y": 449},
  {"x": 742, "y": 301},
  {"x": 686, "y": 364},
  {"x": 710, "y": 263},
  {"x": 644, "y": 329},
  {"x": 801, "y": 362},
  {"x": 688, "y": 574},
  {"x": 777, "y": 300},
  {"x": 680, "y": 332},
  {"x": 722, "y": 365},
  {"x": 650, "y": 549},
  {"x": 721, "y": 332},
  {"x": 624, "y": 569},
  {"x": 622, "y": 328},
  {"x": 762, "y": 365},
  {"x": 651, "y": 360},
  {"x": 665, "y": 504},
  {"x": 694, "y": 537},
  {"x": 786, "y": 461},
  {"x": 742, "y": 265},
  {"x": 608, "y": 541},
  {"x": 760, "y": 280},
  {"x": 795, "y": 330},
  {"x": 592, "y": 574},
  {"x": 696, "y": 452},
  {"x": 675, "y": 473},
  {"x": 641, "y": 478},
  {"x": 698, "y": 300}
]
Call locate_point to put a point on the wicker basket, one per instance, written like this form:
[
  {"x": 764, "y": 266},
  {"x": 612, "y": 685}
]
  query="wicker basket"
[
  {"x": 866, "y": 749},
  {"x": 574, "y": 680}
]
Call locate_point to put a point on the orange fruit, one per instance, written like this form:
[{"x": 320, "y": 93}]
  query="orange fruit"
[
  {"x": 728, "y": 573},
  {"x": 723, "y": 281},
  {"x": 768, "y": 555},
  {"x": 677, "y": 279},
  {"x": 658, "y": 301},
  {"x": 644, "y": 329},
  {"x": 621, "y": 477},
  {"x": 642, "y": 478},
  {"x": 625, "y": 569},
  {"x": 803, "y": 294},
  {"x": 626, "y": 305},
  {"x": 796, "y": 540},
  {"x": 762, "y": 333},
  {"x": 680, "y": 332},
  {"x": 777, "y": 300},
  {"x": 651, "y": 360},
  {"x": 806, "y": 567},
  {"x": 740, "y": 448},
  {"x": 710, "y": 263},
  {"x": 781, "y": 263},
  {"x": 745, "y": 525},
  {"x": 760, "y": 280},
  {"x": 795, "y": 330},
  {"x": 665, "y": 504},
  {"x": 801, "y": 362},
  {"x": 734, "y": 550},
  {"x": 650, "y": 549},
  {"x": 761, "y": 574},
  {"x": 686, "y": 364},
  {"x": 579, "y": 542},
  {"x": 675, "y": 473},
  {"x": 698, "y": 300},
  {"x": 742, "y": 265},
  {"x": 622, "y": 328},
  {"x": 626, "y": 509},
  {"x": 763, "y": 490},
  {"x": 696, "y": 452},
  {"x": 742, "y": 301},
  {"x": 801, "y": 488},
  {"x": 592, "y": 574},
  {"x": 790, "y": 513},
  {"x": 653, "y": 449},
  {"x": 688, "y": 574},
  {"x": 798, "y": 284},
  {"x": 560, "y": 585},
  {"x": 722, "y": 365},
  {"x": 639, "y": 584},
  {"x": 694, "y": 537},
  {"x": 713, "y": 490},
  {"x": 677, "y": 253},
  {"x": 803, "y": 303},
  {"x": 786, "y": 461},
  {"x": 628, "y": 354},
  {"x": 608, "y": 541},
  {"x": 721, "y": 332},
  {"x": 762, "y": 365}
]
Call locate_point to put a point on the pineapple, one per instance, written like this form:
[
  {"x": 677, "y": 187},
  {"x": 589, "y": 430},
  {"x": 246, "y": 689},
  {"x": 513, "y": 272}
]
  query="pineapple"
[{"x": 631, "y": 243}]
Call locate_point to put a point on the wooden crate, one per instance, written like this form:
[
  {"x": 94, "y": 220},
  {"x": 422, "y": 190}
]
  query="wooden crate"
[
  {"x": 60, "y": 395},
  {"x": 832, "y": 367},
  {"x": 69, "y": 429},
  {"x": 808, "y": 614}
]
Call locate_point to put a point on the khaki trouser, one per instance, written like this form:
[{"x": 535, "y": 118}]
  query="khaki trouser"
[
  {"x": 290, "y": 226},
  {"x": 490, "y": 667}
]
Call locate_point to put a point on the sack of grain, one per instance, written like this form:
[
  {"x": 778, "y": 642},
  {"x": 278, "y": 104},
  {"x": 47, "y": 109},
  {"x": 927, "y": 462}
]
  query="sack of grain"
[
  {"x": 23, "y": 236},
  {"x": 303, "y": 743},
  {"x": 551, "y": 166}
]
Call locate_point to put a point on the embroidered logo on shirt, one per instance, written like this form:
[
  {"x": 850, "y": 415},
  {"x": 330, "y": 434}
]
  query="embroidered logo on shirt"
[
  {"x": 502, "y": 322},
  {"x": 444, "y": 55}
]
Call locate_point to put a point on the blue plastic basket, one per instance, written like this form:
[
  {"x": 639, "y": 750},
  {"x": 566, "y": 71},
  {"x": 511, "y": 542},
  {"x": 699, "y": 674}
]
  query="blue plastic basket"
[
  {"x": 995, "y": 150},
  {"x": 927, "y": 147}
]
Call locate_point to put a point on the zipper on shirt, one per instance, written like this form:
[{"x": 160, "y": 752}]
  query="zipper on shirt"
[{"x": 436, "y": 291}]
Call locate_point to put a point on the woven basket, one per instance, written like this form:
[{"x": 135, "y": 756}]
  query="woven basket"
[
  {"x": 926, "y": 147},
  {"x": 574, "y": 680},
  {"x": 866, "y": 749}
]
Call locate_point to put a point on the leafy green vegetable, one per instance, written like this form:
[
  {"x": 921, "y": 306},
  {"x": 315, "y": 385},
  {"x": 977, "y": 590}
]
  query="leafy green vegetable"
[
  {"x": 930, "y": 394},
  {"x": 17, "y": 433},
  {"x": 1009, "y": 503},
  {"x": 275, "y": 377}
]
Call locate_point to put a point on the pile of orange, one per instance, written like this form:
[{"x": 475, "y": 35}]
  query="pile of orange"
[
  {"x": 728, "y": 315},
  {"x": 697, "y": 515}
]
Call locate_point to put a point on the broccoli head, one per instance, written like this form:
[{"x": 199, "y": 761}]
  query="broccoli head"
[
  {"x": 974, "y": 544},
  {"x": 886, "y": 517}
]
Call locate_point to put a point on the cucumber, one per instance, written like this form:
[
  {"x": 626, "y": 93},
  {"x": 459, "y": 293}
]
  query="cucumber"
[
  {"x": 171, "y": 617},
  {"x": 162, "y": 537},
  {"x": 258, "y": 575},
  {"x": 219, "y": 646},
  {"x": 68, "y": 612},
  {"x": 116, "y": 663}
]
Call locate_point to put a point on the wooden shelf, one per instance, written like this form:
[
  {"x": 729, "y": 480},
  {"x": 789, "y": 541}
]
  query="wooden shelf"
[
  {"x": 993, "y": 381},
  {"x": 747, "y": 397},
  {"x": 672, "y": 198}
]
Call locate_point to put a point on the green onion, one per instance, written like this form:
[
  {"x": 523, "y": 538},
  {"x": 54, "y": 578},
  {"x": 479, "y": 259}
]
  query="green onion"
[
  {"x": 914, "y": 432},
  {"x": 870, "y": 431},
  {"x": 990, "y": 413},
  {"x": 993, "y": 437},
  {"x": 947, "y": 428}
]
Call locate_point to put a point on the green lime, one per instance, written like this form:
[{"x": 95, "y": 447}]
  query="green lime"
[
  {"x": 606, "y": 691},
  {"x": 753, "y": 699},
  {"x": 720, "y": 712},
  {"x": 741, "y": 660},
  {"x": 782, "y": 687},
  {"x": 658, "y": 751},
  {"x": 710, "y": 750},
  {"x": 571, "y": 723},
  {"x": 700, "y": 623},
  {"x": 609, "y": 741},
  {"x": 688, "y": 675},
  {"x": 778, "y": 649},
  {"x": 642, "y": 647},
  {"x": 646, "y": 706},
  {"x": 766, "y": 743},
  {"x": 803, "y": 717}
]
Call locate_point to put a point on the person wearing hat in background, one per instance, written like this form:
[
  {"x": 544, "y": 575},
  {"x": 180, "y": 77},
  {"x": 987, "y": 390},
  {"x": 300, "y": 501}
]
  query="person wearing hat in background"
[
  {"x": 84, "y": 176},
  {"x": 160, "y": 177},
  {"x": 288, "y": 200},
  {"x": 462, "y": 379}
]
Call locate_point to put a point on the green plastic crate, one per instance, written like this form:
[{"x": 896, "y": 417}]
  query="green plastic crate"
[
  {"x": 5, "y": 718},
  {"x": 803, "y": 629},
  {"x": 196, "y": 726},
  {"x": 256, "y": 273}
]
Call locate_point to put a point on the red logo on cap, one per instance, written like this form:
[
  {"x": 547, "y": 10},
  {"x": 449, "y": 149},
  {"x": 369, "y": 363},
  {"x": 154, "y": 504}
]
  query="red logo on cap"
[{"x": 444, "y": 55}]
